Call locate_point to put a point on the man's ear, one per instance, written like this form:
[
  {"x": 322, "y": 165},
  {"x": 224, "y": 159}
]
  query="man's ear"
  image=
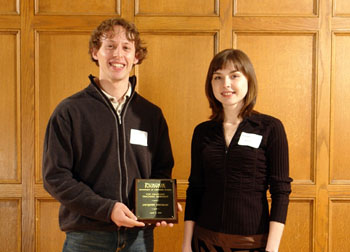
[
  {"x": 94, "y": 53},
  {"x": 136, "y": 60}
]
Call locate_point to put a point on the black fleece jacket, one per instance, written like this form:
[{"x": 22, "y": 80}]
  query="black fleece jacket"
[{"x": 89, "y": 163}]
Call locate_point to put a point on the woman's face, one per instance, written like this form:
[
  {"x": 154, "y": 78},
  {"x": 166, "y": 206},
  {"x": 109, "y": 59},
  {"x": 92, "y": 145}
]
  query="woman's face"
[{"x": 229, "y": 86}]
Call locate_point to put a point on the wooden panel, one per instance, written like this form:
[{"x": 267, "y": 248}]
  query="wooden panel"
[
  {"x": 298, "y": 233},
  {"x": 9, "y": 108},
  {"x": 339, "y": 228},
  {"x": 284, "y": 64},
  {"x": 11, "y": 190},
  {"x": 341, "y": 7},
  {"x": 62, "y": 68},
  {"x": 275, "y": 23},
  {"x": 177, "y": 8},
  {"x": 340, "y": 116},
  {"x": 9, "y": 7},
  {"x": 48, "y": 235},
  {"x": 173, "y": 77},
  {"x": 10, "y": 222},
  {"x": 275, "y": 7},
  {"x": 170, "y": 239},
  {"x": 77, "y": 7}
]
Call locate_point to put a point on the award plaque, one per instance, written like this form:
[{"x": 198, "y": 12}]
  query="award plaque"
[{"x": 155, "y": 200}]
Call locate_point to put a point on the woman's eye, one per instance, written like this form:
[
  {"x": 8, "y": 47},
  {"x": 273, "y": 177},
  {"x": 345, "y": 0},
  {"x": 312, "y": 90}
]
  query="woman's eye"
[{"x": 216, "y": 78}]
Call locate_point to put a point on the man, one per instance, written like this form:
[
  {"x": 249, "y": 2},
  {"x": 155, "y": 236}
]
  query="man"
[{"x": 99, "y": 141}]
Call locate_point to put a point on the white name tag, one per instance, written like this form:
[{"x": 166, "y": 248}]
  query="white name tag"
[
  {"x": 138, "y": 137},
  {"x": 249, "y": 139}
]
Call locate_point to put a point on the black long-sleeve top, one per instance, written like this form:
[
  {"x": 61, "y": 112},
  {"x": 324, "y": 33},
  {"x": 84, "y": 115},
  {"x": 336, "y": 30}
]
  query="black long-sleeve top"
[{"x": 228, "y": 185}]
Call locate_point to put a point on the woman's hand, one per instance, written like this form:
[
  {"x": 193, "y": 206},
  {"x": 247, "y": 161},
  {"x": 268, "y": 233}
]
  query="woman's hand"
[
  {"x": 275, "y": 235},
  {"x": 188, "y": 233},
  {"x": 187, "y": 248}
]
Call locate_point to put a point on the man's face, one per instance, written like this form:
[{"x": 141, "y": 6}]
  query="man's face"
[{"x": 116, "y": 56}]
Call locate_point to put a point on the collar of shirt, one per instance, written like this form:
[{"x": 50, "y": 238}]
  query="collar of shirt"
[{"x": 118, "y": 106}]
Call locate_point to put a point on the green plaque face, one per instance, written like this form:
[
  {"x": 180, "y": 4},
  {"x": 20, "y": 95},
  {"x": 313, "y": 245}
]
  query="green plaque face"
[{"x": 155, "y": 200}]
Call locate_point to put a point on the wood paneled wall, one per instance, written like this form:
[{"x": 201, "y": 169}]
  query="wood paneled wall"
[{"x": 300, "y": 49}]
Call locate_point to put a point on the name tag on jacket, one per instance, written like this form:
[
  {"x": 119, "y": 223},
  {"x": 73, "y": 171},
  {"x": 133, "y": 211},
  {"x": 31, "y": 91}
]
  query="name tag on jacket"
[
  {"x": 138, "y": 137},
  {"x": 250, "y": 139}
]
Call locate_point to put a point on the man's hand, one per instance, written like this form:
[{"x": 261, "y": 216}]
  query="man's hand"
[
  {"x": 123, "y": 217},
  {"x": 164, "y": 223}
]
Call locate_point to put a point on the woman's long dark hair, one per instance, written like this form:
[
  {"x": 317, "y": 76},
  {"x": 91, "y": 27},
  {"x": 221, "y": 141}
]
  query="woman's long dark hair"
[{"x": 243, "y": 64}]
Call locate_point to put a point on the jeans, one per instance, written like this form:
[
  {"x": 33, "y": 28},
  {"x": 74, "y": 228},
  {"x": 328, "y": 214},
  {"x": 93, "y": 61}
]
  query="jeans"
[{"x": 123, "y": 240}]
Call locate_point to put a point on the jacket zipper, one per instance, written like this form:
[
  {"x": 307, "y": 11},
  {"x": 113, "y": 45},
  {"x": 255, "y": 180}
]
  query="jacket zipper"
[
  {"x": 122, "y": 116},
  {"x": 117, "y": 121}
]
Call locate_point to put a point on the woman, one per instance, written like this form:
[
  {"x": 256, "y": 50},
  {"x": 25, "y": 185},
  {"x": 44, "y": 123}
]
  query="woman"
[{"x": 236, "y": 157}]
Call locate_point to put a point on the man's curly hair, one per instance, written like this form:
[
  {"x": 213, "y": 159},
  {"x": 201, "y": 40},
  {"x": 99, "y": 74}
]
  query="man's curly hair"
[{"x": 106, "y": 28}]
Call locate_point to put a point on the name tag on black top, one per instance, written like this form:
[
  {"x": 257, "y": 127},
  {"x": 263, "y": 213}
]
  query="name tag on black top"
[{"x": 250, "y": 139}]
